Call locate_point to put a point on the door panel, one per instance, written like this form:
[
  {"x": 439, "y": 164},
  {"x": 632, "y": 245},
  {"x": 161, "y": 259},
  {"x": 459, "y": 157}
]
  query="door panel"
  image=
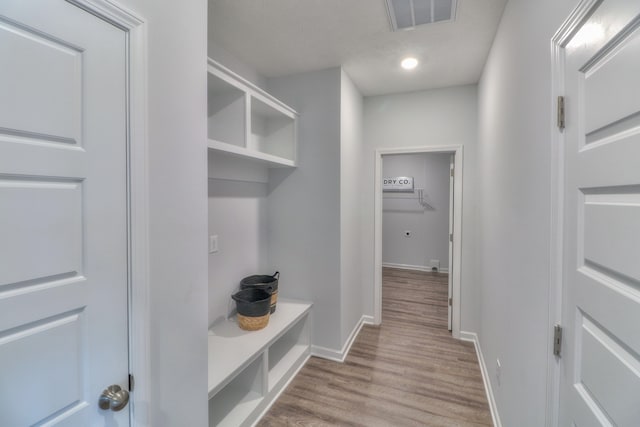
[
  {"x": 30, "y": 351},
  {"x": 43, "y": 79},
  {"x": 600, "y": 348},
  {"x": 616, "y": 71},
  {"x": 608, "y": 219},
  {"x": 48, "y": 243},
  {"x": 600, "y": 379},
  {"x": 63, "y": 214}
]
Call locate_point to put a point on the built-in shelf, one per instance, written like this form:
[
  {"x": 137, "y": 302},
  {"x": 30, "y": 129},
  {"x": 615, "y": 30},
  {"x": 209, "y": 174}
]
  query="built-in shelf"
[
  {"x": 246, "y": 121},
  {"x": 268, "y": 159},
  {"x": 247, "y": 369},
  {"x": 241, "y": 396},
  {"x": 280, "y": 370}
]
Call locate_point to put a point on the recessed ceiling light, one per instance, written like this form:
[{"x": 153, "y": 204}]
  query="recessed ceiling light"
[{"x": 409, "y": 63}]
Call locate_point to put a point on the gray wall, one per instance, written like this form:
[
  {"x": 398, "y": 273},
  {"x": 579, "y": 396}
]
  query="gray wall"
[
  {"x": 238, "y": 216},
  {"x": 429, "y": 118},
  {"x": 350, "y": 207},
  {"x": 227, "y": 59},
  {"x": 304, "y": 203},
  {"x": 177, "y": 206},
  {"x": 429, "y": 227},
  {"x": 515, "y": 124}
]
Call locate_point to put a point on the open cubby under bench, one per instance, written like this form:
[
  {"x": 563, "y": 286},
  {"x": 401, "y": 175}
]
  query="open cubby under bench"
[{"x": 248, "y": 370}]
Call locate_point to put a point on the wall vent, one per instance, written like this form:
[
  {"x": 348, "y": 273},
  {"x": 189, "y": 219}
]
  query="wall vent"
[{"x": 408, "y": 14}]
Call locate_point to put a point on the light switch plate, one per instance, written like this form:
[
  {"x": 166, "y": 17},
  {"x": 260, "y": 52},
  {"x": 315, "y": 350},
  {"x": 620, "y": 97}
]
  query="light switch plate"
[{"x": 213, "y": 244}]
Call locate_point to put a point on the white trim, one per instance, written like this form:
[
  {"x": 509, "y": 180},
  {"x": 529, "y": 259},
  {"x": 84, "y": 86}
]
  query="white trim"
[
  {"x": 556, "y": 194},
  {"x": 247, "y": 86},
  {"x": 341, "y": 355},
  {"x": 413, "y": 267},
  {"x": 282, "y": 389},
  {"x": 139, "y": 348},
  {"x": 473, "y": 337},
  {"x": 457, "y": 150}
]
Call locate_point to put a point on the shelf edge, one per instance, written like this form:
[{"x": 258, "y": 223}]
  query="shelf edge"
[{"x": 270, "y": 159}]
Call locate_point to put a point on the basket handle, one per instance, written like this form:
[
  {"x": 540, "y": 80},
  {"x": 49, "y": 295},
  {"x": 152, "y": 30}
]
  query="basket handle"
[{"x": 276, "y": 275}]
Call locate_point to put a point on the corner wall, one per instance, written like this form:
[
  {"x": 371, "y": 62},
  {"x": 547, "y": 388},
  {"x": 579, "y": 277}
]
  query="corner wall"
[
  {"x": 177, "y": 209},
  {"x": 350, "y": 211},
  {"x": 304, "y": 203},
  {"x": 514, "y": 154},
  {"x": 429, "y": 118}
]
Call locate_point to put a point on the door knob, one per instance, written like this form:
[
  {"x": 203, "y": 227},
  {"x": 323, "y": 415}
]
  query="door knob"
[{"x": 114, "y": 398}]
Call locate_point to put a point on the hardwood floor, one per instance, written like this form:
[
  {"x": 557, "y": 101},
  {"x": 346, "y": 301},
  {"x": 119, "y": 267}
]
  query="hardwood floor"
[{"x": 407, "y": 372}]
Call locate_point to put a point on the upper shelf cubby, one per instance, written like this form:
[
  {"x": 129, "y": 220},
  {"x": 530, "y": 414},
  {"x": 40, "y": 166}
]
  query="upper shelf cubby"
[{"x": 246, "y": 121}]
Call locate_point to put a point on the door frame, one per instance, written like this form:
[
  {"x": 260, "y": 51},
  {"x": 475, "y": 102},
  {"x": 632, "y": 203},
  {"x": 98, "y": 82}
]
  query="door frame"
[
  {"x": 556, "y": 192},
  {"x": 457, "y": 151},
  {"x": 135, "y": 30}
]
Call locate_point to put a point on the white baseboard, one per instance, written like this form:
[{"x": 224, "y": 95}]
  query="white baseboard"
[
  {"x": 413, "y": 267},
  {"x": 340, "y": 355},
  {"x": 473, "y": 337}
]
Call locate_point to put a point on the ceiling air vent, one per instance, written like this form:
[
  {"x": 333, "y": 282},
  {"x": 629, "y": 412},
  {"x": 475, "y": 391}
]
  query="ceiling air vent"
[{"x": 407, "y": 14}]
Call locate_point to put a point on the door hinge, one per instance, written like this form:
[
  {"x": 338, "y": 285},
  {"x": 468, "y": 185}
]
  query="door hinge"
[
  {"x": 132, "y": 382},
  {"x": 557, "y": 340},
  {"x": 451, "y": 237},
  {"x": 560, "y": 112},
  {"x": 450, "y": 301},
  {"x": 452, "y": 172}
]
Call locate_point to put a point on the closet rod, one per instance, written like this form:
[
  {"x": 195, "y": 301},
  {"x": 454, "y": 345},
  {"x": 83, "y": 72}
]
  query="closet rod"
[{"x": 421, "y": 198}]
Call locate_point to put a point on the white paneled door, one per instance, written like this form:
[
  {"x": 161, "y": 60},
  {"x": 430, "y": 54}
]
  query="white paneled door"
[
  {"x": 600, "y": 379},
  {"x": 63, "y": 215}
]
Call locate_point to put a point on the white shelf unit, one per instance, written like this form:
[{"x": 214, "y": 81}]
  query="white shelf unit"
[
  {"x": 246, "y": 121},
  {"x": 242, "y": 395},
  {"x": 284, "y": 353},
  {"x": 248, "y": 370}
]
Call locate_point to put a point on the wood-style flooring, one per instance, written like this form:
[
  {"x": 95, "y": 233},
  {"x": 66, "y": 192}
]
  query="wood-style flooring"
[{"x": 407, "y": 372}]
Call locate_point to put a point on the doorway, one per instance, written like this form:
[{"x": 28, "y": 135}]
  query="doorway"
[
  {"x": 416, "y": 224},
  {"x": 455, "y": 227}
]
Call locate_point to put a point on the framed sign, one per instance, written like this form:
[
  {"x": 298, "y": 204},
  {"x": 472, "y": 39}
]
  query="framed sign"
[{"x": 399, "y": 184}]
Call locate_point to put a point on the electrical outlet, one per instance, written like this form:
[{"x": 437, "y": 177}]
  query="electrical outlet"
[
  {"x": 407, "y": 233},
  {"x": 213, "y": 244},
  {"x": 498, "y": 371}
]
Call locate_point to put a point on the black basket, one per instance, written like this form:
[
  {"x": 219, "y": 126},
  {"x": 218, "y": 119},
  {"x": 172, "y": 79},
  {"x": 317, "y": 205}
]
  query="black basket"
[{"x": 265, "y": 283}]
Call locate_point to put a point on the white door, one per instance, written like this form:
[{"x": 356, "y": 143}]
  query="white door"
[
  {"x": 63, "y": 215},
  {"x": 450, "y": 279},
  {"x": 600, "y": 364}
]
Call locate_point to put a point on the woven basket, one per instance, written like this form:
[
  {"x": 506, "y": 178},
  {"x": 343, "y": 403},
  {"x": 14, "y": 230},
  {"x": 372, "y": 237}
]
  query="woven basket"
[
  {"x": 274, "y": 300},
  {"x": 253, "y": 323}
]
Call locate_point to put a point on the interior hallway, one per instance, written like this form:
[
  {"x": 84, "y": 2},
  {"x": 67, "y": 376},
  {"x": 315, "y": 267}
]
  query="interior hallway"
[{"x": 407, "y": 372}]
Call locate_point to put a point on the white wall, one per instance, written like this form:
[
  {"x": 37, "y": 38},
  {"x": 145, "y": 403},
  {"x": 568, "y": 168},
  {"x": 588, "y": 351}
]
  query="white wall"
[
  {"x": 515, "y": 124},
  {"x": 176, "y": 172},
  {"x": 430, "y": 118},
  {"x": 304, "y": 204},
  {"x": 350, "y": 207},
  {"x": 238, "y": 216},
  {"x": 429, "y": 239}
]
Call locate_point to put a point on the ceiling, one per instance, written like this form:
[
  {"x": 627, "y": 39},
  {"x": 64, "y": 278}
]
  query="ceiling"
[{"x": 281, "y": 37}]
